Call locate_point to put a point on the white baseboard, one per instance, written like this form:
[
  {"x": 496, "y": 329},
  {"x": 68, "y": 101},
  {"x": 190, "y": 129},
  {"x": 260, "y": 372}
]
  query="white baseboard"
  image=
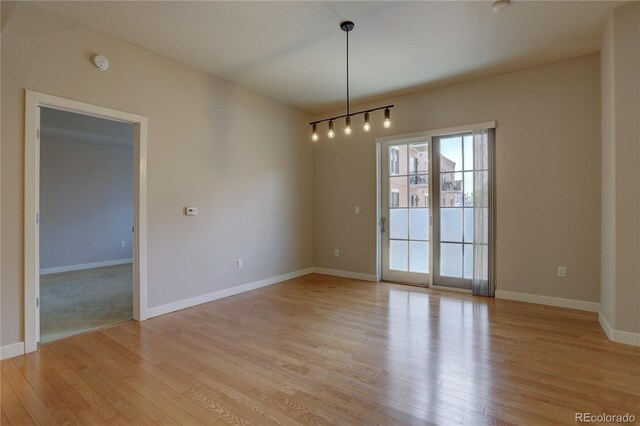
[
  {"x": 12, "y": 350},
  {"x": 550, "y": 301},
  {"x": 46, "y": 271},
  {"x": 345, "y": 274},
  {"x": 209, "y": 297},
  {"x": 618, "y": 336}
]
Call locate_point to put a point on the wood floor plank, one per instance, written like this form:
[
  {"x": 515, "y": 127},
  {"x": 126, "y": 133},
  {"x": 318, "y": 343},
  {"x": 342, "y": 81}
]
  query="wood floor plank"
[
  {"x": 25, "y": 394},
  {"x": 325, "y": 350},
  {"x": 97, "y": 403},
  {"x": 13, "y": 412},
  {"x": 168, "y": 405}
]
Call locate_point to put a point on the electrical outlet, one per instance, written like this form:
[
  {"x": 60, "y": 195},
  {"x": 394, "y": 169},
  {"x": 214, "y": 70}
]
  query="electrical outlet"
[
  {"x": 191, "y": 211},
  {"x": 336, "y": 253},
  {"x": 121, "y": 243},
  {"x": 240, "y": 264},
  {"x": 562, "y": 271}
]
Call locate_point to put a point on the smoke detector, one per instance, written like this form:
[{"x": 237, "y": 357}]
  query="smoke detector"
[
  {"x": 101, "y": 62},
  {"x": 501, "y": 5}
]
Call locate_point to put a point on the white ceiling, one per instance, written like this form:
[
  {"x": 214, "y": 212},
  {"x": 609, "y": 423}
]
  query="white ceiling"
[{"x": 294, "y": 51}]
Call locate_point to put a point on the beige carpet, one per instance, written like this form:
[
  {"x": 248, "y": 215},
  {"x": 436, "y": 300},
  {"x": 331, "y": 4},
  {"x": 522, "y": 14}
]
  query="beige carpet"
[{"x": 80, "y": 301}]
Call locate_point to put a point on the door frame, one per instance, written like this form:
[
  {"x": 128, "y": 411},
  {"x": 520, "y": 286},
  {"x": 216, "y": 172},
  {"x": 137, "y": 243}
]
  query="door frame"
[
  {"x": 403, "y": 277},
  {"x": 33, "y": 102},
  {"x": 406, "y": 138}
]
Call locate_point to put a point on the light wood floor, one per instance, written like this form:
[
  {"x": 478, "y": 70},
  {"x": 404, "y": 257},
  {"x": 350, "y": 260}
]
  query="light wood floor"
[{"x": 325, "y": 350}]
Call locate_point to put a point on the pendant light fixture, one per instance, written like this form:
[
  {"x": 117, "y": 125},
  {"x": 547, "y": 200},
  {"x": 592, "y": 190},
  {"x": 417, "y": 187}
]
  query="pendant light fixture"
[
  {"x": 347, "y": 26},
  {"x": 367, "y": 125},
  {"x": 331, "y": 133}
]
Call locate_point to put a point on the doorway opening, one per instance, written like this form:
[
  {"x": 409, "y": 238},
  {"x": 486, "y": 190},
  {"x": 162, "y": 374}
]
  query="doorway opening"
[
  {"x": 86, "y": 223},
  {"x": 85, "y": 218}
]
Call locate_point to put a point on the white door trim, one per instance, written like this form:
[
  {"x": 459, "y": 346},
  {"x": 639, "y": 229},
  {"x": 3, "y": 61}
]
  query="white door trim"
[{"x": 34, "y": 100}]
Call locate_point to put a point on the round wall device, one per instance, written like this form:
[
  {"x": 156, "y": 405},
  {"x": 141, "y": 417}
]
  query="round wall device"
[
  {"x": 501, "y": 6},
  {"x": 101, "y": 62}
]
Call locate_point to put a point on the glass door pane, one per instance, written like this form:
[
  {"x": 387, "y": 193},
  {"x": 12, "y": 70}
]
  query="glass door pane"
[
  {"x": 406, "y": 204},
  {"x": 453, "y": 215}
]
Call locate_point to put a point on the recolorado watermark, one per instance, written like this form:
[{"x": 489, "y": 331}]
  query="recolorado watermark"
[{"x": 605, "y": 418}]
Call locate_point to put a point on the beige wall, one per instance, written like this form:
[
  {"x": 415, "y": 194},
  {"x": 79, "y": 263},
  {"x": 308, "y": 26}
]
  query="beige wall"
[
  {"x": 608, "y": 179},
  {"x": 621, "y": 170},
  {"x": 548, "y": 175},
  {"x": 244, "y": 160}
]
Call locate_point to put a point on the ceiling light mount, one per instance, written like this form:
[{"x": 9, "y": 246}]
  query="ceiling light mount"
[{"x": 347, "y": 27}]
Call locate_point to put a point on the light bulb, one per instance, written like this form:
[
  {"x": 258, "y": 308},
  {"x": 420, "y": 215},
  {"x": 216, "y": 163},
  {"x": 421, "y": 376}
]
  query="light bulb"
[
  {"x": 331, "y": 133},
  {"x": 314, "y": 135},
  {"x": 387, "y": 118},
  {"x": 367, "y": 126},
  {"x": 347, "y": 129}
]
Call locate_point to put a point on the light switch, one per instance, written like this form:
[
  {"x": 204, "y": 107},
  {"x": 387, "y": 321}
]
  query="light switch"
[
  {"x": 191, "y": 211},
  {"x": 357, "y": 210}
]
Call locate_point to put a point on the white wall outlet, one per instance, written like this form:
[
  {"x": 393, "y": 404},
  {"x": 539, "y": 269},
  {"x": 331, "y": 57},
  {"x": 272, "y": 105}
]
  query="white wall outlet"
[
  {"x": 191, "y": 211},
  {"x": 336, "y": 253},
  {"x": 240, "y": 263},
  {"x": 562, "y": 271},
  {"x": 356, "y": 210},
  {"x": 121, "y": 243}
]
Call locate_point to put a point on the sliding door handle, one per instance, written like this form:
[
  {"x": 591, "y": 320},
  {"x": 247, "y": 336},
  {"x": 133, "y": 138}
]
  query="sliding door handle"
[{"x": 382, "y": 224}]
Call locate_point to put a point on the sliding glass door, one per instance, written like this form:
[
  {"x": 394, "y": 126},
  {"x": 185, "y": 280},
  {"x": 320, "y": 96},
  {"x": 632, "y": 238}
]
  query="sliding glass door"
[{"x": 435, "y": 221}]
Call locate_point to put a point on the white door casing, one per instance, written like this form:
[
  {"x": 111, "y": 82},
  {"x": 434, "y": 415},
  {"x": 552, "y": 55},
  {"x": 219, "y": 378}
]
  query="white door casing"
[{"x": 33, "y": 102}]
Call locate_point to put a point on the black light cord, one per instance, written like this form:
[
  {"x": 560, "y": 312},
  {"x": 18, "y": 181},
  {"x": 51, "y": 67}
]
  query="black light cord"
[{"x": 347, "y": 73}]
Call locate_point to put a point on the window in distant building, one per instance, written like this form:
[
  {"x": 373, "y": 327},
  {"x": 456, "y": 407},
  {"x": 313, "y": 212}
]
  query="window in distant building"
[
  {"x": 395, "y": 161},
  {"x": 413, "y": 164},
  {"x": 395, "y": 198}
]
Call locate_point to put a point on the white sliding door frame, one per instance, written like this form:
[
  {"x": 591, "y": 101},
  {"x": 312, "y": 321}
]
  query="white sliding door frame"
[
  {"x": 385, "y": 141},
  {"x": 33, "y": 102}
]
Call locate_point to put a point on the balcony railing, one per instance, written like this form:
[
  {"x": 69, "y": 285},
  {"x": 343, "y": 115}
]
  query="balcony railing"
[{"x": 418, "y": 180}]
